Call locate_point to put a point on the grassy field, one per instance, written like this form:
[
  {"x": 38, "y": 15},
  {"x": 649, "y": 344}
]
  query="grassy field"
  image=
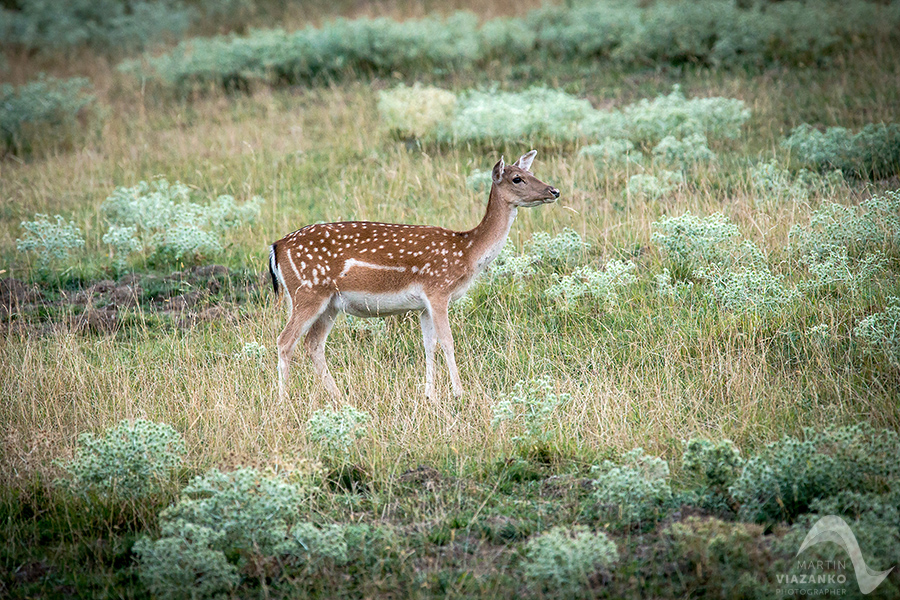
[{"x": 443, "y": 499}]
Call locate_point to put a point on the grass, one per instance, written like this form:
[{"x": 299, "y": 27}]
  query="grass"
[{"x": 650, "y": 372}]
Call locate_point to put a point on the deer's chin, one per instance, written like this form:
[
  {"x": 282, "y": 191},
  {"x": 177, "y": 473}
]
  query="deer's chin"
[{"x": 537, "y": 202}]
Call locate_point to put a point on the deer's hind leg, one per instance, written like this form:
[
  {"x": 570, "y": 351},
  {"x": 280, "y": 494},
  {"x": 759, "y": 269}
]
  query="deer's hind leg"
[
  {"x": 305, "y": 310},
  {"x": 315, "y": 346}
]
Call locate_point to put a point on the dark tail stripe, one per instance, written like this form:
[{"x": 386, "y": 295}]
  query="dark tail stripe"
[{"x": 273, "y": 262}]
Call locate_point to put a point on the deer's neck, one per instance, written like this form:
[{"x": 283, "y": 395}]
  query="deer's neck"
[{"x": 489, "y": 236}]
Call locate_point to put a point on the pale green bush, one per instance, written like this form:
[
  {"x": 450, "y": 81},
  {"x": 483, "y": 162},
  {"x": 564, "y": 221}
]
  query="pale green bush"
[
  {"x": 336, "y": 431},
  {"x": 881, "y": 331},
  {"x": 495, "y": 116},
  {"x": 224, "y": 525},
  {"x": 653, "y": 187},
  {"x": 872, "y": 226},
  {"x": 745, "y": 289},
  {"x": 690, "y": 241},
  {"x": 561, "y": 561},
  {"x": 132, "y": 460},
  {"x": 362, "y": 325},
  {"x": 41, "y": 110},
  {"x": 111, "y": 25},
  {"x": 637, "y": 491},
  {"x": 124, "y": 241},
  {"x": 50, "y": 241},
  {"x": 480, "y": 181},
  {"x": 613, "y": 151},
  {"x": 647, "y": 122},
  {"x": 688, "y": 151},
  {"x": 530, "y": 410},
  {"x": 166, "y": 219},
  {"x": 714, "y": 467},
  {"x": 872, "y": 152},
  {"x": 782, "y": 481},
  {"x": 251, "y": 351},
  {"x": 667, "y": 288},
  {"x": 835, "y": 271},
  {"x": 186, "y": 564},
  {"x": 510, "y": 265},
  {"x": 415, "y": 112},
  {"x": 772, "y": 183},
  {"x": 563, "y": 248},
  {"x": 603, "y": 285}
]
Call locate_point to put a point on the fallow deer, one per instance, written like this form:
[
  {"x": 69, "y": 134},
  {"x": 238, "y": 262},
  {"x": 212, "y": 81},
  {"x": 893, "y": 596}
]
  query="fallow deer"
[{"x": 371, "y": 269}]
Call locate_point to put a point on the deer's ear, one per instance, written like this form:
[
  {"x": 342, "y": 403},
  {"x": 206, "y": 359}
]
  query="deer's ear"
[
  {"x": 497, "y": 173},
  {"x": 525, "y": 161}
]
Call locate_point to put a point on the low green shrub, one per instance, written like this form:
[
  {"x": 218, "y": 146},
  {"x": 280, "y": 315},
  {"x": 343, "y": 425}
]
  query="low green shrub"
[
  {"x": 745, "y": 288},
  {"x": 565, "y": 562},
  {"x": 713, "y": 466},
  {"x": 881, "y": 332},
  {"x": 52, "y": 242},
  {"x": 132, "y": 460},
  {"x": 336, "y": 431},
  {"x": 612, "y": 151},
  {"x": 416, "y": 112},
  {"x": 566, "y": 247},
  {"x": 874, "y": 151},
  {"x": 634, "y": 493},
  {"x": 689, "y": 241},
  {"x": 835, "y": 272},
  {"x": 873, "y": 226},
  {"x": 231, "y": 527},
  {"x": 688, "y": 151},
  {"x": 530, "y": 410},
  {"x": 163, "y": 217},
  {"x": 647, "y": 122},
  {"x": 123, "y": 241},
  {"x": 652, "y": 187},
  {"x": 43, "y": 111},
  {"x": 788, "y": 476},
  {"x": 107, "y": 25},
  {"x": 718, "y": 559},
  {"x": 603, "y": 285}
]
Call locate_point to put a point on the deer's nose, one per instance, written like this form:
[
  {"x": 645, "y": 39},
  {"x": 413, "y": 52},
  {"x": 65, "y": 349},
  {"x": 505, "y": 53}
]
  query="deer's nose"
[{"x": 555, "y": 192}]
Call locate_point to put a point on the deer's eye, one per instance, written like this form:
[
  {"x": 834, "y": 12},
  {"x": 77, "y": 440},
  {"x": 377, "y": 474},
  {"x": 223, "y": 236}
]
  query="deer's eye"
[{"x": 517, "y": 179}]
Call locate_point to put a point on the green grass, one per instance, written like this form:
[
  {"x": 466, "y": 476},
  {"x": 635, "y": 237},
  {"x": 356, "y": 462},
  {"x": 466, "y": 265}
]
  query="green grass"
[{"x": 650, "y": 371}]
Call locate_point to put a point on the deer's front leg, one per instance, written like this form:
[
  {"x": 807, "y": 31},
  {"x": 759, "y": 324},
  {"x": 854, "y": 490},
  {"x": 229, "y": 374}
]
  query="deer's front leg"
[
  {"x": 430, "y": 339},
  {"x": 441, "y": 322}
]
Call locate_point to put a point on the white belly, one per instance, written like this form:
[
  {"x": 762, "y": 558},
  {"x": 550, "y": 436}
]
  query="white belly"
[{"x": 366, "y": 304}]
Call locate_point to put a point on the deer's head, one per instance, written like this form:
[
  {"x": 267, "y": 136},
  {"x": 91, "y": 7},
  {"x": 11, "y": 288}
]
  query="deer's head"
[{"x": 518, "y": 187}]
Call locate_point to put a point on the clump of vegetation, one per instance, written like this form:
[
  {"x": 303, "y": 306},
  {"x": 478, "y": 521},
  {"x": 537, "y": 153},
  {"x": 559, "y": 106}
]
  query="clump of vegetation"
[
  {"x": 653, "y": 187},
  {"x": 836, "y": 272},
  {"x": 415, "y": 112},
  {"x": 874, "y": 151},
  {"x": 612, "y": 151},
  {"x": 603, "y": 285},
  {"x": 566, "y": 247},
  {"x": 686, "y": 152},
  {"x": 690, "y": 241},
  {"x": 567, "y": 562},
  {"x": 43, "y": 110},
  {"x": 788, "y": 476},
  {"x": 719, "y": 559},
  {"x": 531, "y": 410},
  {"x": 633, "y": 493},
  {"x": 251, "y": 351},
  {"x": 870, "y": 227},
  {"x": 164, "y": 217},
  {"x": 229, "y": 527},
  {"x": 745, "y": 289},
  {"x": 134, "y": 459},
  {"x": 108, "y": 25},
  {"x": 881, "y": 332},
  {"x": 52, "y": 242},
  {"x": 336, "y": 431},
  {"x": 124, "y": 241},
  {"x": 714, "y": 466},
  {"x": 647, "y": 122},
  {"x": 495, "y": 117}
]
